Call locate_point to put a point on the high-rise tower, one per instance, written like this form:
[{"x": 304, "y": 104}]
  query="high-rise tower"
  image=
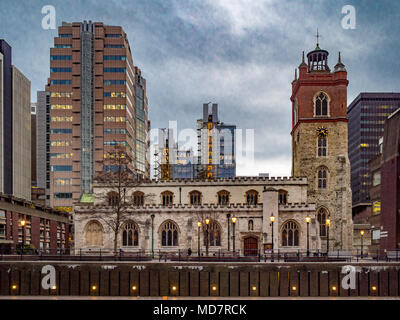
[
  {"x": 319, "y": 144},
  {"x": 97, "y": 101}
]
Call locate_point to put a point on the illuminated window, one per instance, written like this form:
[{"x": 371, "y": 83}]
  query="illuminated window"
[
  {"x": 61, "y": 119},
  {"x": 114, "y": 106},
  {"x": 376, "y": 207},
  {"x": 376, "y": 180},
  {"x": 61, "y": 106}
]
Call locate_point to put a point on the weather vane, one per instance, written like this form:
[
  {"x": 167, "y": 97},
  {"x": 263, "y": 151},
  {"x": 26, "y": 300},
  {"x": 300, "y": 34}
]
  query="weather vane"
[{"x": 318, "y": 36}]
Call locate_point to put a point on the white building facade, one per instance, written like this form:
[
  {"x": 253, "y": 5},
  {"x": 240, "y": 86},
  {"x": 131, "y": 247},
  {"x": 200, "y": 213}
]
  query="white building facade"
[{"x": 174, "y": 215}]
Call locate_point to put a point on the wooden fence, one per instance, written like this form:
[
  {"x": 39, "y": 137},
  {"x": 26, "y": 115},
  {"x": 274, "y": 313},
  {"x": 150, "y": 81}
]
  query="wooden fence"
[{"x": 193, "y": 280}]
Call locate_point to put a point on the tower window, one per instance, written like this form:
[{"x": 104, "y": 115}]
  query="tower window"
[
  {"x": 321, "y": 105},
  {"x": 322, "y": 216},
  {"x": 322, "y": 178},
  {"x": 322, "y": 146}
]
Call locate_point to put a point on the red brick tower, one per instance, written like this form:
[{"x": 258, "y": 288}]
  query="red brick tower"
[{"x": 319, "y": 144}]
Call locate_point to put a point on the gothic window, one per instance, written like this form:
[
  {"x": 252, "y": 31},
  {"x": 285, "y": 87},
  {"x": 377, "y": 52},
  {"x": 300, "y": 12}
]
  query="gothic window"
[
  {"x": 214, "y": 234},
  {"x": 113, "y": 199},
  {"x": 167, "y": 198},
  {"x": 94, "y": 234},
  {"x": 252, "y": 197},
  {"x": 282, "y": 197},
  {"x": 290, "y": 234},
  {"x": 322, "y": 216},
  {"x": 130, "y": 234},
  {"x": 223, "y": 197},
  {"x": 251, "y": 225},
  {"x": 322, "y": 178},
  {"x": 195, "y": 198},
  {"x": 322, "y": 146},
  {"x": 169, "y": 234},
  {"x": 321, "y": 105},
  {"x": 138, "y": 198}
]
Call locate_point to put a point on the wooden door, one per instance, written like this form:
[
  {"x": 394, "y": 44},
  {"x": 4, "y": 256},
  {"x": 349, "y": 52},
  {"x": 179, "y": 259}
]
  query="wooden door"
[{"x": 251, "y": 246}]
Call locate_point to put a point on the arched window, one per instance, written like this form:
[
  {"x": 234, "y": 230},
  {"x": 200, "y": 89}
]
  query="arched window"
[
  {"x": 322, "y": 146},
  {"x": 169, "y": 234},
  {"x": 290, "y": 234},
  {"x": 282, "y": 197},
  {"x": 251, "y": 225},
  {"x": 223, "y": 197},
  {"x": 138, "y": 198},
  {"x": 252, "y": 197},
  {"x": 195, "y": 197},
  {"x": 322, "y": 216},
  {"x": 167, "y": 198},
  {"x": 113, "y": 199},
  {"x": 214, "y": 234},
  {"x": 321, "y": 105},
  {"x": 322, "y": 178},
  {"x": 130, "y": 234},
  {"x": 94, "y": 234}
]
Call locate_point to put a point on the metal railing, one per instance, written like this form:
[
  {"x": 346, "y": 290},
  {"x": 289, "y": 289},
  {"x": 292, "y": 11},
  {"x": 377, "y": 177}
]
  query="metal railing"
[{"x": 210, "y": 255}]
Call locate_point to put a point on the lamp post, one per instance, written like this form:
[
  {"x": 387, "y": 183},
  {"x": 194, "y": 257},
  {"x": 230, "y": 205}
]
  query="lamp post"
[
  {"x": 152, "y": 235},
  {"x": 328, "y": 224},
  {"x": 234, "y": 219},
  {"x": 207, "y": 223},
  {"x": 272, "y": 219},
  {"x": 229, "y": 236},
  {"x": 22, "y": 224},
  {"x": 362, "y": 232},
  {"x": 308, "y": 235},
  {"x": 198, "y": 238}
]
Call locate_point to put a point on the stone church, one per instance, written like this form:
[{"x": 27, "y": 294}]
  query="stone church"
[{"x": 309, "y": 210}]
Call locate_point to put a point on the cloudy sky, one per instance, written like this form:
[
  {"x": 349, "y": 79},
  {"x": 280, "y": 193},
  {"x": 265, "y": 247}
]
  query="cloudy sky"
[{"x": 239, "y": 54}]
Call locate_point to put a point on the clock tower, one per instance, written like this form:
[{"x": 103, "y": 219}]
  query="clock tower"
[{"x": 319, "y": 145}]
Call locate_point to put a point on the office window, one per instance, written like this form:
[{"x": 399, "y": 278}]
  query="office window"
[
  {"x": 60, "y": 57},
  {"x": 60, "y": 82},
  {"x": 61, "y": 168},
  {"x": 60, "y": 69},
  {"x": 123, "y": 58}
]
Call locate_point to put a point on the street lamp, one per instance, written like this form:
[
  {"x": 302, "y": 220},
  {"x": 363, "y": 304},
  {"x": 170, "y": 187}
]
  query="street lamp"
[
  {"x": 308, "y": 219},
  {"x": 229, "y": 240},
  {"x": 198, "y": 238},
  {"x": 207, "y": 223},
  {"x": 234, "y": 219},
  {"x": 22, "y": 224},
  {"x": 152, "y": 235},
  {"x": 362, "y": 232},
  {"x": 272, "y": 219},
  {"x": 328, "y": 224}
]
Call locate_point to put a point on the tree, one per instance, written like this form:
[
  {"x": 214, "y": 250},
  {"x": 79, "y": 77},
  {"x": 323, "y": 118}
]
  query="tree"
[{"x": 117, "y": 179}]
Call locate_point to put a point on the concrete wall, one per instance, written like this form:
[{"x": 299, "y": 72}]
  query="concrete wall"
[{"x": 207, "y": 280}]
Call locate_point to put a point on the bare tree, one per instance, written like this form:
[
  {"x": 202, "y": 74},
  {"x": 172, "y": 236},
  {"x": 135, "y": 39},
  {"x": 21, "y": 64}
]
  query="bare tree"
[{"x": 118, "y": 179}]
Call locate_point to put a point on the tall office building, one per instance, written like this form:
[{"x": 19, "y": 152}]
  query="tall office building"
[
  {"x": 97, "y": 101},
  {"x": 15, "y": 128},
  {"x": 367, "y": 115},
  {"x": 216, "y": 146},
  {"x": 43, "y": 143}
]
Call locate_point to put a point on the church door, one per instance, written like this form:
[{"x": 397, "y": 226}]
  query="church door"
[{"x": 251, "y": 246}]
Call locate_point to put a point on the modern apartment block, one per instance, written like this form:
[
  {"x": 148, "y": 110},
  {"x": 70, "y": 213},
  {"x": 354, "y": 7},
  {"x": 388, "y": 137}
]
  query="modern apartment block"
[
  {"x": 367, "y": 115},
  {"x": 97, "y": 101},
  {"x": 216, "y": 145},
  {"x": 15, "y": 128}
]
